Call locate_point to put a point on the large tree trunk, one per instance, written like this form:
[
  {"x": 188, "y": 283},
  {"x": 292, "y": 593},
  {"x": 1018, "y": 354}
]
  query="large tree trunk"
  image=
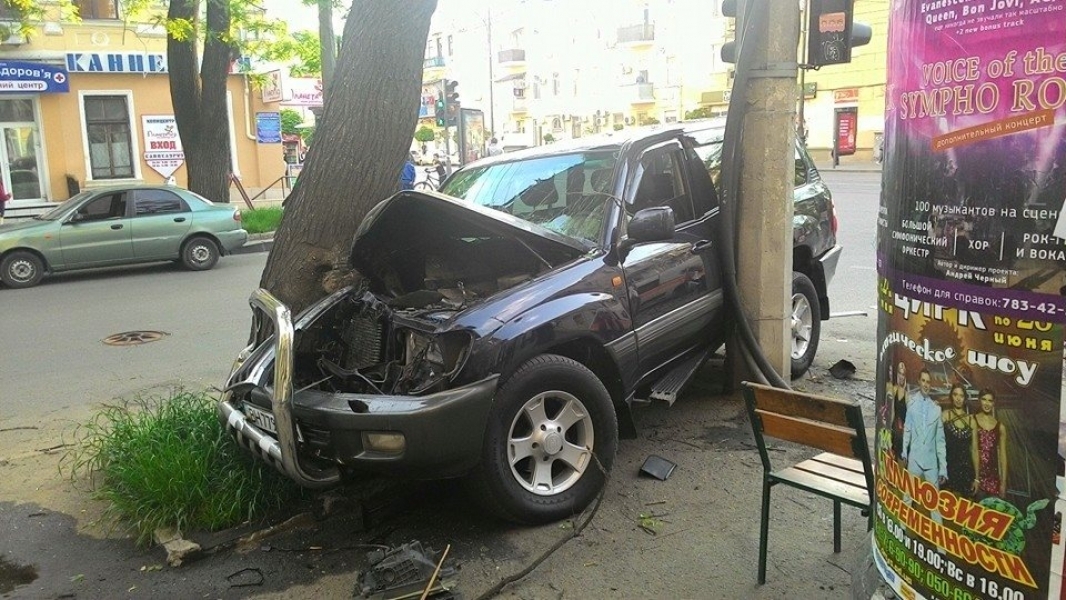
[
  {"x": 354, "y": 163},
  {"x": 199, "y": 99}
]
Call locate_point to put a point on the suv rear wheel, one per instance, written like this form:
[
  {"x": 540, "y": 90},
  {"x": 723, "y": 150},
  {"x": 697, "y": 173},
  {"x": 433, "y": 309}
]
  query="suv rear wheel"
[
  {"x": 550, "y": 441},
  {"x": 806, "y": 323}
]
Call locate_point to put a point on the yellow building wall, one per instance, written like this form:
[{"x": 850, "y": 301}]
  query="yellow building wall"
[{"x": 63, "y": 143}]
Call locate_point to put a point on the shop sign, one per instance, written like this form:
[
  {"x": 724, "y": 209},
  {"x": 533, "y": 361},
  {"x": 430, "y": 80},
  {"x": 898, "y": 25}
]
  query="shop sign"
[
  {"x": 846, "y": 96},
  {"x": 268, "y": 127},
  {"x": 116, "y": 62},
  {"x": 272, "y": 91},
  {"x": 162, "y": 145},
  {"x": 971, "y": 261},
  {"x": 20, "y": 77},
  {"x": 302, "y": 91},
  {"x": 847, "y": 121},
  {"x": 810, "y": 89}
]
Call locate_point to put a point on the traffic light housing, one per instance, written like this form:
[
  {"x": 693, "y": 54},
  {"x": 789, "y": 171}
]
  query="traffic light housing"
[
  {"x": 451, "y": 102},
  {"x": 440, "y": 110},
  {"x": 729, "y": 49},
  {"x": 832, "y": 32}
]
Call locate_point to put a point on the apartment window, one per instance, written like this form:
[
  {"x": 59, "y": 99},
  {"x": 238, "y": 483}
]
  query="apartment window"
[
  {"x": 97, "y": 9},
  {"x": 449, "y": 45},
  {"x": 555, "y": 84},
  {"x": 439, "y": 51},
  {"x": 107, "y": 127}
]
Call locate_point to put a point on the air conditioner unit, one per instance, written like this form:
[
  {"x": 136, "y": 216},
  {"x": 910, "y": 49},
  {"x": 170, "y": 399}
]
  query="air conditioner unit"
[
  {"x": 10, "y": 36},
  {"x": 629, "y": 120}
]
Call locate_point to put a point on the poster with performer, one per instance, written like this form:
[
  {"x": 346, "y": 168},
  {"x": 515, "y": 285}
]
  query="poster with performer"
[{"x": 972, "y": 301}]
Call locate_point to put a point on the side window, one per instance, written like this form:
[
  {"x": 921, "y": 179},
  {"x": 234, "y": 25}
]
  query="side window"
[
  {"x": 801, "y": 169},
  {"x": 711, "y": 156},
  {"x": 157, "y": 202},
  {"x": 663, "y": 184},
  {"x": 111, "y": 206}
]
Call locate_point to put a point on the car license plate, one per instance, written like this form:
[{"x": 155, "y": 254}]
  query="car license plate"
[{"x": 260, "y": 418}]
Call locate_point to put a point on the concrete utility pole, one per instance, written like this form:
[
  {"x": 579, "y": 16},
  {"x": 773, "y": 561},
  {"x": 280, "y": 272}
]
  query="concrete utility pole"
[{"x": 764, "y": 253}]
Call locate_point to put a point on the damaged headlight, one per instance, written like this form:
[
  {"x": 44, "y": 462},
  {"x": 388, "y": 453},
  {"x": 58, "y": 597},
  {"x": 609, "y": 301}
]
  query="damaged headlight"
[{"x": 434, "y": 357}]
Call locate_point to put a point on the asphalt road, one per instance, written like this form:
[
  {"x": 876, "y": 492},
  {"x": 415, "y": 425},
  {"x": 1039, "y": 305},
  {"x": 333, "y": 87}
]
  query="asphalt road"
[{"x": 55, "y": 364}]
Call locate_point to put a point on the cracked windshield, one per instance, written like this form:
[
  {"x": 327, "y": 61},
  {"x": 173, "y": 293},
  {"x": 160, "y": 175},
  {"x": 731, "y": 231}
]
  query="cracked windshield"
[{"x": 567, "y": 194}]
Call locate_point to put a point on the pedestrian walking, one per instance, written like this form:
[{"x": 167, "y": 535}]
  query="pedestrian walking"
[
  {"x": 407, "y": 175},
  {"x": 4, "y": 197},
  {"x": 494, "y": 148}
]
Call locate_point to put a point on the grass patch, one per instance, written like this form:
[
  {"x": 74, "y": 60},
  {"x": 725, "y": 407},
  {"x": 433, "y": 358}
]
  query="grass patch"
[
  {"x": 161, "y": 462},
  {"x": 261, "y": 220}
]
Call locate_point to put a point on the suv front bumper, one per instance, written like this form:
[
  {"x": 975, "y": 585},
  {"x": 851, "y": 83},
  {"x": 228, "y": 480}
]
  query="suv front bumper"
[{"x": 319, "y": 432}]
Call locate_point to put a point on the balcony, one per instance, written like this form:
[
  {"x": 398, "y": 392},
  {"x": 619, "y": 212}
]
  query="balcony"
[
  {"x": 520, "y": 105},
  {"x": 634, "y": 35},
  {"x": 513, "y": 57},
  {"x": 433, "y": 62},
  {"x": 641, "y": 93}
]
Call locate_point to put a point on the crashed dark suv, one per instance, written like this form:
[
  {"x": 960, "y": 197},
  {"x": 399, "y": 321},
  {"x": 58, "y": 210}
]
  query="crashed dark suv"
[{"x": 502, "y": 328}]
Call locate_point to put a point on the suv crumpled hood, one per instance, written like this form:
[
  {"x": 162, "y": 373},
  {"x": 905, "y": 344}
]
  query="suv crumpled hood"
[{"x": 405, "y": 236}]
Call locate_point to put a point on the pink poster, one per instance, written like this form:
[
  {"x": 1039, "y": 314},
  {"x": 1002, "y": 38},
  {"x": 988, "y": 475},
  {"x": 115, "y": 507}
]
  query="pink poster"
[{"x": 972, "y": 294}]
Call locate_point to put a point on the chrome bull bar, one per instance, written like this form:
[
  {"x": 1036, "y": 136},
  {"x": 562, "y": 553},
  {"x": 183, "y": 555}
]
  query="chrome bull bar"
[{"x": 280, "y": 452}]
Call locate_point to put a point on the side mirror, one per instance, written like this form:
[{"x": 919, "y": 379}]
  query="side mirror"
[{"x": 648, "y": 225}]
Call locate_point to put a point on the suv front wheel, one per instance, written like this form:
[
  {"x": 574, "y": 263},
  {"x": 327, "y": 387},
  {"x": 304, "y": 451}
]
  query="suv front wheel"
[
  {"x": 806, "y": 325},
  {"x": 550, "y": 441}
]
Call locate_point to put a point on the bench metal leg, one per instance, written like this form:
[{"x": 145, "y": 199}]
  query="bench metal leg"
[
  {"x": 764, "y": 529},
  {"x": 836, "y": 526}
]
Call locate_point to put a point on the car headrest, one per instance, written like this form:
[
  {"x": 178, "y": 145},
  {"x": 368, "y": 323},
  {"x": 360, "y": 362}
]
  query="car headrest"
[{"x": 542, "y": 193}]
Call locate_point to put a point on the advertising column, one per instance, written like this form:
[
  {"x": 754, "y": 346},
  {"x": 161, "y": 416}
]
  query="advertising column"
[{"x": 972, "y": 278}]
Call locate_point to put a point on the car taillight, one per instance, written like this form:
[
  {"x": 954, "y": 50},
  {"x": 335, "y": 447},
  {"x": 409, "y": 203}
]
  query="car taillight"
[{"x": 237, "y": 218}]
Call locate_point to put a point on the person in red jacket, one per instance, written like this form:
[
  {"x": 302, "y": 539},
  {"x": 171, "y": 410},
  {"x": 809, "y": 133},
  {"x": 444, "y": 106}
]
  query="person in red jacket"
[{"x": 4, "y": 197}]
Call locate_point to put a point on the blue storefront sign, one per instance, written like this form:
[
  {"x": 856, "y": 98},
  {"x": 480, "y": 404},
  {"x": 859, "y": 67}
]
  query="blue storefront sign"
[
  {"x": 19, "y": 77},
  {"x": 268, "y": 127}
]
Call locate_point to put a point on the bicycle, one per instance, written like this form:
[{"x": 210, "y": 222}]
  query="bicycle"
[{"x": 430, "y": 183}]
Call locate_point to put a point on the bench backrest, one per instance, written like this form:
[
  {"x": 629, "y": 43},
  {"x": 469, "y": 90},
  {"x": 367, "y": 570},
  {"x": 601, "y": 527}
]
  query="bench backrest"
[{"x": 828, "y": 424}]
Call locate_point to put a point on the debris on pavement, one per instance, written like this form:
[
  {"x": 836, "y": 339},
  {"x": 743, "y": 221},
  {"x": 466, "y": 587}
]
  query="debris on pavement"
[
  {"x": 407, "y": 571},
  {"x": 658, "y": 467},
  {"x": 843, "y": 369},
  {"x": 247, "y": 577},
  {"x": 178, "y": 548}
]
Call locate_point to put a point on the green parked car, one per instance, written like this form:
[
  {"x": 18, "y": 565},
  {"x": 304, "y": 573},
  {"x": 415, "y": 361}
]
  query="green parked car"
[{"x": 119, "y": 226}]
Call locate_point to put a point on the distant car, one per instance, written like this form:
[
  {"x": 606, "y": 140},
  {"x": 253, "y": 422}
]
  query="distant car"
[{"x": 117, "y": 226}]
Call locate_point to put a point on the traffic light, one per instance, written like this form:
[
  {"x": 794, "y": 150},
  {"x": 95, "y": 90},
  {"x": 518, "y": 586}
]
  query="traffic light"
[
  {"x": 831, "y": 32},
  {"x": 440, "y": 110},
  {"x": 451, "y": 93},
  {"x": 451, "y": 102},
  {"x": 729, "y": 49}
]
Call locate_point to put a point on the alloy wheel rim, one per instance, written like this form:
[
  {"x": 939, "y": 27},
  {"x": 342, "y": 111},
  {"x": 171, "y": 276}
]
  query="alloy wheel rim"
[
  {"x": 802, "y": 324},
  {"x": 550, "y": 443}
]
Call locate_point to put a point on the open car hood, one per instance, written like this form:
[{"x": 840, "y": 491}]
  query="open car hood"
[{"x": 402, "y": 240}]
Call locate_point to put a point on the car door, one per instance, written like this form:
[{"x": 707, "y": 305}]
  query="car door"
[
  {"x": 674, "y": 287},
  {"x": 98, "y": 233},
  {"x": 160, "y": 221},
  {"x": 811, "y": 199}
]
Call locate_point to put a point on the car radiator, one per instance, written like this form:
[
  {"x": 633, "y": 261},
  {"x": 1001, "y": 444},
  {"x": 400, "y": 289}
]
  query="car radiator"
[{"x": 363, "y": 337}]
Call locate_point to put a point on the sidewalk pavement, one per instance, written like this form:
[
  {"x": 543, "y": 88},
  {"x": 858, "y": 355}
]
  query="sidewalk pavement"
[
  {"x": 257, "y": 242},
  {"x": 856, "y": 166}
]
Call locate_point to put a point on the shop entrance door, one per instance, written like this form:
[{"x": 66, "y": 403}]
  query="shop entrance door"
[{"x": 21, "y": 163}]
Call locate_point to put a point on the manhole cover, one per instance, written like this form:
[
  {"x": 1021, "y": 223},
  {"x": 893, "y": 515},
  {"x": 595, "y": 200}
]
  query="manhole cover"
[{"x": 134, "y": 338}]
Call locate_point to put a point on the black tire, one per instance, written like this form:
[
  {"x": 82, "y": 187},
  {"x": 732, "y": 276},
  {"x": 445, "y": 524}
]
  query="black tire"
[
  {"x": 199, "y": 254},
  {"x": 424, "y": 186},
  {"x": 21, "y": 269},
  {"x": 505, "y": 486},
  {"x": 806, "y": 328}
]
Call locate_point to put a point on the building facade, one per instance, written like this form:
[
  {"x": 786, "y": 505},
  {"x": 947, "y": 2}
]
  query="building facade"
[
  {"x": 87, "y": 104},
  {"x": 549, "y": 69}
]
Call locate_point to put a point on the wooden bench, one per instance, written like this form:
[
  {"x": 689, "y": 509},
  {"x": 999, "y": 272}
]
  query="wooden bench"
[{"x": 842, "y": 473}]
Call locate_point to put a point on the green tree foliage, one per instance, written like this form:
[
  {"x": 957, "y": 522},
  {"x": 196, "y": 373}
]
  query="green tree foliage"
[
  {"x": 703, "y": 112},
  {"x": 301, "y": 47},
  {"x": 290, "y": 120},
  {"x": 424, "y": 134}
]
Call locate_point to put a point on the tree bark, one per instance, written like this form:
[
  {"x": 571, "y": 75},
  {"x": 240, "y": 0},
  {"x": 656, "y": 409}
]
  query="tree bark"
[
  {"x": 327, "y": 43},
  {"x": 199, "y": 98},
  {"x": 372, "y": 110}
]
